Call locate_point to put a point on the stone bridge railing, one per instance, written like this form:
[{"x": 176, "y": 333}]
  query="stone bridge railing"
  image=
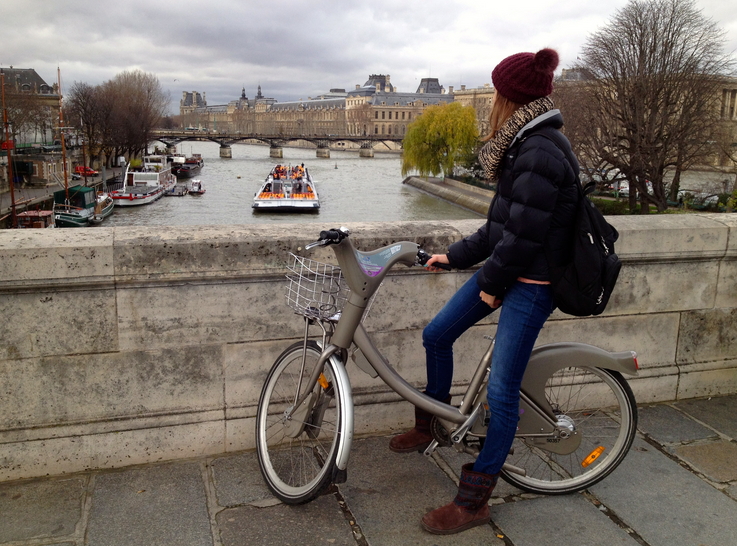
[{"x": 123, "y": 346}]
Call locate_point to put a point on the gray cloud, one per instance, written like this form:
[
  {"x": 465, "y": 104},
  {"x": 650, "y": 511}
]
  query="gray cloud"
[{"x": 294, "y": 49}]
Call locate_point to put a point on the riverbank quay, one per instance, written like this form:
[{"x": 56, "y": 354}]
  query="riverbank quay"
[
  {"x": 677, "y": 486},
  {"x": 464, "y": 195},
  {"x": 31, "y": 197},
  {"x": 135, "y": 345}
]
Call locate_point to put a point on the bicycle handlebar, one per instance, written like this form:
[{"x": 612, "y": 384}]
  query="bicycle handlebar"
[{"x": 335, "y": 236}]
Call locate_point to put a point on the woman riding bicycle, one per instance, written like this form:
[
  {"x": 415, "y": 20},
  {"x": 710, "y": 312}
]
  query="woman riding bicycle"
[{"x": 528, "y": 228}]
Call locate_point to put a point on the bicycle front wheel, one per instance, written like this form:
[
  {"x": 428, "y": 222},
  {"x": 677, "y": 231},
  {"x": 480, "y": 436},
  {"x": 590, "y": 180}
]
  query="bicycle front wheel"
[
  {"x": 595, "y": 405},
  {"x": 298, "y": 445}
]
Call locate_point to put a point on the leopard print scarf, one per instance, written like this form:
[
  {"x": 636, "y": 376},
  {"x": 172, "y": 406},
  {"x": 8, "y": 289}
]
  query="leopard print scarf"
[{"x": 492, "y": 153}]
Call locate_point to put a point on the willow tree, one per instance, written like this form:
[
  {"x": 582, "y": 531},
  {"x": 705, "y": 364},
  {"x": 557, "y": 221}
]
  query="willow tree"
[
  {"x": 654, "y": 76},
  {"x": 443, "y": 136}
]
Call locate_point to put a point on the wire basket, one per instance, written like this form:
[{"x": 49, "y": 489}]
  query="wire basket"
[{"x": 314, "y": 289}]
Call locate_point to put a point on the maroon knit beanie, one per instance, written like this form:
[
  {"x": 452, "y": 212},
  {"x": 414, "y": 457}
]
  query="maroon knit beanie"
[{"x": 525, "y": 77}]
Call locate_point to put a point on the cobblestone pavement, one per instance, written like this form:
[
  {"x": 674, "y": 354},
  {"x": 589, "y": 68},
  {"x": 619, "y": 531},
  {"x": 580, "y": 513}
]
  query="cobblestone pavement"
[{"x": 677, "y": 486}]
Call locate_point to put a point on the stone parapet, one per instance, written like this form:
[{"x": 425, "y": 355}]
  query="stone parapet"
[{"x": 131, "y": 345}]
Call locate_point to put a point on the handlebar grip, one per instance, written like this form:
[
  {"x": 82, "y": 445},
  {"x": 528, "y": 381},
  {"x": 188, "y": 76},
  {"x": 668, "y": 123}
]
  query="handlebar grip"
[
  {"x": 423, "y": 257},
  {"x": 330, "y": 235}
]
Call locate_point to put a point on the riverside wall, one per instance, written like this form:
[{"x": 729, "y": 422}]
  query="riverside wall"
[{"x": 124, "y": 346}]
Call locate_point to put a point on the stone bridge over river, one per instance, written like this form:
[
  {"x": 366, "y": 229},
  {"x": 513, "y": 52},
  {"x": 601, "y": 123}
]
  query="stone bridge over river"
[
  {"x": 132, "y": 345},
  {"x": 367, "y": 144}
]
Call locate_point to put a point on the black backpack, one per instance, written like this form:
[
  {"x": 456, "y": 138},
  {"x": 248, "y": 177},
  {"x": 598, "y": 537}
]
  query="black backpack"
[{"x": 582, "y": 287}]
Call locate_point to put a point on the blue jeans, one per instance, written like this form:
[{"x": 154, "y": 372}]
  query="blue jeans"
[{"x": 525, "y": 309}]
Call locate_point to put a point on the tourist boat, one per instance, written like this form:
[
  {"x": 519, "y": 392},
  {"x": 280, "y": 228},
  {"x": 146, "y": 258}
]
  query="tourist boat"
[
  {"x": 191, "y": 166},
  {"x": 287, "y": 189},
  {"x": 36, "y": 219},
  {"x": 145, "y": 184},
  {"x": 196, "y": 187}
]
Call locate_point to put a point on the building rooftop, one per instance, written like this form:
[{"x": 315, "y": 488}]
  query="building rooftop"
[{"x": 28, "y": 80}]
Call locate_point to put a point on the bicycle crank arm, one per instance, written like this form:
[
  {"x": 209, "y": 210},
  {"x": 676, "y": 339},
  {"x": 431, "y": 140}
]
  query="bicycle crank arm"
[{"x": 461, "y": 431}]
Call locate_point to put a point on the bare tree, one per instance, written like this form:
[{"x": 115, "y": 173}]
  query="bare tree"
[
  {"x": 653, "y": 77},
  {"x": 136, "y": 104},
  {"x": 86, "y": 109}
]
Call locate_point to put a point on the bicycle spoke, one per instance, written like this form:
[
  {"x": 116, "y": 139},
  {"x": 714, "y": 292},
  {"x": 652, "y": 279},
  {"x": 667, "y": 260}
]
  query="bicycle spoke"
[{"x": 592, "y": 402}]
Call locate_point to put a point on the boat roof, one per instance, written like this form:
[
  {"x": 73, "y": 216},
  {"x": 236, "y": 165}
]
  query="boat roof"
[{"x": 61, "y": 195}]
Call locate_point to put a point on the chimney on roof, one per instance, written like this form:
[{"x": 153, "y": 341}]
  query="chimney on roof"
[
  {"x": 358, "y": 86},
  {"x": 463, "y": 87},
  {"x": 450, "y": 89}
]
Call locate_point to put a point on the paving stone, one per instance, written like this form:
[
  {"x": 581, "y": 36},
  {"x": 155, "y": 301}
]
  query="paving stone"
[
  {"x": 389, "y": 492},
  {"x": 318, "y": 523},
  {"x": 553, "y": 521},
  {"x": 717, "y": 460},
  {"x": 665, "y": 503},
  {"x": 40, "y": 509},
  {"x": 666, "y": 424},
  {"x": 732, "y": 491},
  {"x": 718, "y": 412},
  {"x": 238, "y": 480},
  {"x": 150, "y": 506}
]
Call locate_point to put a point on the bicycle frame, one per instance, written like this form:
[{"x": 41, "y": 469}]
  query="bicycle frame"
[{"x": 364, "y": 272}]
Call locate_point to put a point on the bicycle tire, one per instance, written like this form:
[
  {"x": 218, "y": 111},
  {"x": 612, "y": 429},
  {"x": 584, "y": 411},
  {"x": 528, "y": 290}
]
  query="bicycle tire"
[
  {"x": 297, "y": 455},
  {"x": 599, "y": 405}
]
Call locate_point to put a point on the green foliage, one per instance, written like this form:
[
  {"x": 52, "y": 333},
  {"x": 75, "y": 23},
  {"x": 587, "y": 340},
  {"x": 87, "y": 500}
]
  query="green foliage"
[
  {"x": 609, "y": 207},
  {"x": 444, "y": 135},
  {"x": 732, "y": 201}
]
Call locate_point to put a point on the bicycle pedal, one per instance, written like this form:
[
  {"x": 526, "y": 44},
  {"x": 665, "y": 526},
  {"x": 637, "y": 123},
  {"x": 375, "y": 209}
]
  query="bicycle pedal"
[{"x": 341, "y": 476}]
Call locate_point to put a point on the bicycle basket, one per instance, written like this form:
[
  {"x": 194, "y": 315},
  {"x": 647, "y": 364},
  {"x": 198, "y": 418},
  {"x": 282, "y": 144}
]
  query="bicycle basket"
[{"x": 314, "y": 289}]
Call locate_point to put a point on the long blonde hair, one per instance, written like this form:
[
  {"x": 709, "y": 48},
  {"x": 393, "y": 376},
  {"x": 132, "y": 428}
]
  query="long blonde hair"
[{"x": 501, "y": 111}]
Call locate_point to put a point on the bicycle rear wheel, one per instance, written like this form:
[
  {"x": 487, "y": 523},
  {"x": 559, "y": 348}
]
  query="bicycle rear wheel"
[
  {"x": 297, "y": 449},
  {"x": 598, "y": 407}
]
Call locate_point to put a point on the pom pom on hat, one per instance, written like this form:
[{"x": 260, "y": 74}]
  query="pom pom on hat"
[{"x": 525, "y": 77}]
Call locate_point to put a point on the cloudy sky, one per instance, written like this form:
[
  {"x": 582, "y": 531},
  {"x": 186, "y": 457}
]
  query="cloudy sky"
[{"x": 297, "y": 49}]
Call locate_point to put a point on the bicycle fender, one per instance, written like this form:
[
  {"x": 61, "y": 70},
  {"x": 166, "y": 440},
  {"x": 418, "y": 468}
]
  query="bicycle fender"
[
  {"x": 346, "y": 412},
  {"x": 561, "y": 355},
  {"x": 547, "y": 359}
]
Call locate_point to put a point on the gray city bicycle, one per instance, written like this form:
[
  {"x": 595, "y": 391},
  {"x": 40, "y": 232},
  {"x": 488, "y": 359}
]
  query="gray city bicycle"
[{"x": 578, "y": 415}]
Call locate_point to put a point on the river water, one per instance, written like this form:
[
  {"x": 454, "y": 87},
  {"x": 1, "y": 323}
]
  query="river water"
[{"x": 351, "y": 189}]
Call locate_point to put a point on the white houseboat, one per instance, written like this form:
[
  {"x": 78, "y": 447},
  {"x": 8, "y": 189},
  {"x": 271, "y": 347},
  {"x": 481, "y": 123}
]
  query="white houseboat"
[{"x": 145, "y": 184}]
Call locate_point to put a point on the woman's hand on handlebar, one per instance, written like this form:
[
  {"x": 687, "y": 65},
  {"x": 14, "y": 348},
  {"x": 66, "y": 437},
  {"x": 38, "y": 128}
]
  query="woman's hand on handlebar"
[{"x": 441, "y": 260}]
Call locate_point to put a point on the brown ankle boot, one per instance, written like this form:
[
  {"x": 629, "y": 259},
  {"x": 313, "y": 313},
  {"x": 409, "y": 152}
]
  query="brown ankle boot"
[
  {"x": 468, "y": 509},
  {"x": 416, "y": 439},
  {"x": 419, "y": 437}
]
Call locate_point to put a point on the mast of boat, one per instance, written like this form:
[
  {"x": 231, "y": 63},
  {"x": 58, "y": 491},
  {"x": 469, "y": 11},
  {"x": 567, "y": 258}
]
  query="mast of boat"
[
  {"x": 8, "y": 145},
  {"x": 63, "y": 144}
]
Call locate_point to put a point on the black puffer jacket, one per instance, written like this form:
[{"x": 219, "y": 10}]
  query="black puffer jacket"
[{"x": 530, "y": 219}]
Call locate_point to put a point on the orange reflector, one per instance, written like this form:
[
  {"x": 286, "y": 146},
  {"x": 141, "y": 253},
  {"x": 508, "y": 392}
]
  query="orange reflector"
[
  {"x": 592, "y": 456},
  {"x": 323, "y": 381}
]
